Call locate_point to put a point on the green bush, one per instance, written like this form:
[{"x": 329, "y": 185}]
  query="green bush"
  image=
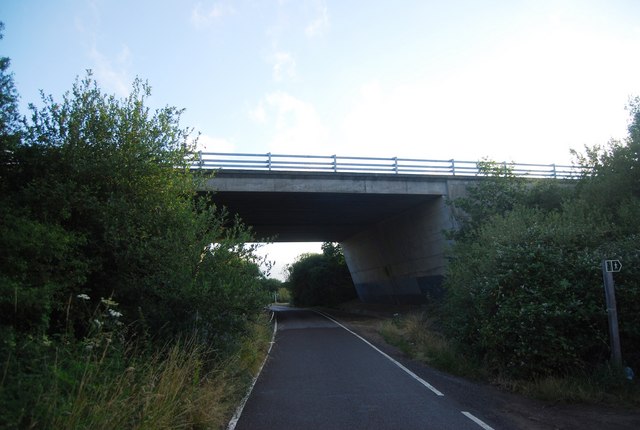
[
  {"x": 321, "y": 279},
  {"x": 102, "y": 202},
  {"x": 105, "y": 246},
  {"x": 531, "y": 289},
  {"x": 532, "y": 294},
  {"x": 524, "y": 284}
]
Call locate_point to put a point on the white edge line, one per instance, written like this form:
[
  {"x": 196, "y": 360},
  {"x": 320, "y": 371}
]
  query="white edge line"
[
  {"x": 409, "y": 372},
  {"x": 236, "y": 417},
  {"x": 477, "y": 421}
]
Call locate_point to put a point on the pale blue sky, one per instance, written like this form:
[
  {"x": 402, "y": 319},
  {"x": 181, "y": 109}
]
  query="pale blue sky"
[{"x": 519, "y": 80}]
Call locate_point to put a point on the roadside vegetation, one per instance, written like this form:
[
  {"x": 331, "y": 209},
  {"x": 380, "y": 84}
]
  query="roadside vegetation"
[
  {"x": 321, "y": 279},
  {"x": 525, "y": 303},
  {"x": 126, "y": 300},
  {"x": 284, "y": 295}
]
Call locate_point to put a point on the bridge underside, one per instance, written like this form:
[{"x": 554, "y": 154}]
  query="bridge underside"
[
  {"x": 390, "y": 227},
  {"x": 314, "y": 217}
]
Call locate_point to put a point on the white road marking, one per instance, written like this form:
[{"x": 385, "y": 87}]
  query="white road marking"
[
  {"x": 477, "y": 421},
  {"x": 236, "y": 417},
  {"x": 409, "y": 372}
]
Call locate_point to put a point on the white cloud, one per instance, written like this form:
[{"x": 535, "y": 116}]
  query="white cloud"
[
  {"x": 284, "y": 66},
  {"x": 295, "y": 126},
  {"x": 208, "y": 143},
  {"x": 530, "y": 99},
  {"x": 401, "y": 120},
  {"x": 113, "y": 75},
  {"x": 320, "y": 23},
  {"x": 259, "y": 114},
  {"x": 202, "y": 16}
]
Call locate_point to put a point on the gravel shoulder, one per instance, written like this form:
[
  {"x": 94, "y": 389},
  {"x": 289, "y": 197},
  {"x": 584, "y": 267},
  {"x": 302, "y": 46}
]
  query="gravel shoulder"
[{"x": 507, "y": 410}]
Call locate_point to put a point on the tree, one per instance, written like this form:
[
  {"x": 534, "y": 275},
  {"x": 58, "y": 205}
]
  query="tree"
[
  {"x": 524, "y": 283},
  {"x": 110, "y": 184},
  {"x": 525, "y": 296},
  {"x": 9, "y": 115},
  {"x": 497, "y": 193},
  {"x": 321, "y": 279},
  {"x": 104, "y": 244},
  {"x": 612, "y": 184}
]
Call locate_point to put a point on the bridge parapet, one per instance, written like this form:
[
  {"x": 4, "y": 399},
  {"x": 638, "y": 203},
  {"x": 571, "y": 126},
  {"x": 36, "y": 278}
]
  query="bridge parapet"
[{"x": 393, "y": 165}]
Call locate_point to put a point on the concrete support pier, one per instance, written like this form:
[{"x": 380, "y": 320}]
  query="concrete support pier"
[{"x": 401, "y": 259}]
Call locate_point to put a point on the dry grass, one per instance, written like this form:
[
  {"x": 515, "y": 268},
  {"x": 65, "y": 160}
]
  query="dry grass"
[
  {"x": 416, "y": 335},
  {"x": 606, "y": 386},
  {"x": 172, "y": 390}
]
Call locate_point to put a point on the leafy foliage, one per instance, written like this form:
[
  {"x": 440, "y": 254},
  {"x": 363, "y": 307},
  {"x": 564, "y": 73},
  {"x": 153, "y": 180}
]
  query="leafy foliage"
[
  {"x": 107, "y": 182},
  {"x": 525, "y": 285},
  {"x": 498, "y": 192},
  {"x": 532, "y": 294},
  {"x": 104, "y": 242},
  {"x": 321, "y": 279}
]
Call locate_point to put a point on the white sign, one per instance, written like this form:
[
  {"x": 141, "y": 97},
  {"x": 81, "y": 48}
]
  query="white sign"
[{"x": 613, "y": 265}]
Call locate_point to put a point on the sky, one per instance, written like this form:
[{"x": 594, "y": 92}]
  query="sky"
[{"x": 511, "y": 80}]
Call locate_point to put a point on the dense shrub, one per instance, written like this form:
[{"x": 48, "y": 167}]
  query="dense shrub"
[
  {"x": 102, "y": 202},
  {"x": 321, "y": 279},
  {"x": 525, "y": 281},
  {"x": 105, "y": 247},
  {"x": 532, "y": 294}
]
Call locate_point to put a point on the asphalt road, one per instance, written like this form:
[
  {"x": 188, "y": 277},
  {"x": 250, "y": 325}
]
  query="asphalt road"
[{"x": 321, "y": 376}]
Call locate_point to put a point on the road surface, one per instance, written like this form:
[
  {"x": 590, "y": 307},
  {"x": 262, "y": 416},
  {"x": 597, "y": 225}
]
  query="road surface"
[{"x": 319, "y": 375}]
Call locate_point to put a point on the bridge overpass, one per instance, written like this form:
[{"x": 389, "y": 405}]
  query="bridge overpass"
[{"x": 388, "y": 214}]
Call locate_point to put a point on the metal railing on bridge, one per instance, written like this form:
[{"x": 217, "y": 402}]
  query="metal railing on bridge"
[{"x": 394, "y": 165}]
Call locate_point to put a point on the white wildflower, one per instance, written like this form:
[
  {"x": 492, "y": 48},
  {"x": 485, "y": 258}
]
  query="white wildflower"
[
  {"x": 114, "y": 314},
  {"x": 83, "y": 296}
]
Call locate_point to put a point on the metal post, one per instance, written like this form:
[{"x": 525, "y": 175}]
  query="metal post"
[
  {"x": 269, "y": 160},
  {"x": 612, "y": 313},
  {"x": 335, "y": 163},
  {"x": 200, "y": 162},
  {"x": 453, "y": 167},
  {"x": 395, "y": 165},
  {"x": 555, "y": 173}
]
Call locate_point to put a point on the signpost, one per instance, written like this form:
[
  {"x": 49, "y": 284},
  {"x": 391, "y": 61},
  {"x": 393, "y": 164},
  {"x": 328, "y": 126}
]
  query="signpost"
[
  {"x": 608, "y": 268},
  {"x": 613, "y": 265}
]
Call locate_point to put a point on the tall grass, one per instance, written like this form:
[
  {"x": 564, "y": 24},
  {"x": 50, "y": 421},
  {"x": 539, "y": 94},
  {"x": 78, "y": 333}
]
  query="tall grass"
[
  {"x": 182, "y": 386},
  {"x": 417, "y": 336},
  {"x": 167, "y": 390}
]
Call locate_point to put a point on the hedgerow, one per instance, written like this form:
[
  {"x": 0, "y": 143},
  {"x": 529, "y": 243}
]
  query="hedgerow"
[{"x": 525, "y": 289}]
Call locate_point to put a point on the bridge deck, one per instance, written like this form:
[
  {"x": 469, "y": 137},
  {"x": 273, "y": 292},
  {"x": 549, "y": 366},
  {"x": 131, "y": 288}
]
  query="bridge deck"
[{"x": 314, "y": 206}]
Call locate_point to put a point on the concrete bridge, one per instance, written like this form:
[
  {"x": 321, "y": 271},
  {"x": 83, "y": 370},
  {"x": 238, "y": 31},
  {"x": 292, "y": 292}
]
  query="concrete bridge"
[{"x": 389, "y": 218}]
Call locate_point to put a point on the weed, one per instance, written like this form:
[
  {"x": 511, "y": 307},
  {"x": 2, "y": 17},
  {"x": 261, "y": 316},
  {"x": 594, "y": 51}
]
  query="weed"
[
  {"x": 416, "y": 336},
  {"x": 183, "y": 385}
]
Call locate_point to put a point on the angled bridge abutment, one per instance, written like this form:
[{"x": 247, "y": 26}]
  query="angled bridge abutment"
[{"x": 400, "y": 259}]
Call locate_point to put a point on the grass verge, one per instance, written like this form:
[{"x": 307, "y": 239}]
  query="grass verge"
[
  {"x": 183, "y": 385},
  {"x": 417, "y": 336}
]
